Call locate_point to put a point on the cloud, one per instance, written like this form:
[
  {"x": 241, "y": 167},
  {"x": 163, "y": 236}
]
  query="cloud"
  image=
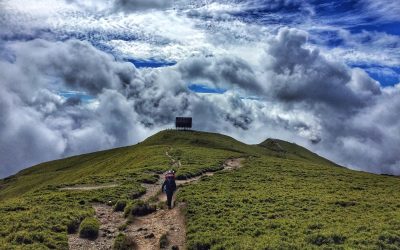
[
  {"x": 384, "y": 10},
  {"x": 137, "y": 5},
  {"x": 46, "y": 125},
  {"x": 126, "y": 6},
  {"x": 220, "y": 72},
  {"x": 277, "y": 5},
  {"x": 128, "y": 104},
  {"x": 300, "y": 95},
  {"x": 297, "y": 74}
]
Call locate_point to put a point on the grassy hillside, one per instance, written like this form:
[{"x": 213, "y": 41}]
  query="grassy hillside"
[
  {"x": 293, "y": 151},
  {"x": 284, "y": 204},
  {"x": 285, "y": 197}
]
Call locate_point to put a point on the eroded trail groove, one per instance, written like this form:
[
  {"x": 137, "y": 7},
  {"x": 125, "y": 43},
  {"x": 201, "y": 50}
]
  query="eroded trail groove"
[
  {"x": 146, "y": 230},
  {"x": 174, "y": 162}
]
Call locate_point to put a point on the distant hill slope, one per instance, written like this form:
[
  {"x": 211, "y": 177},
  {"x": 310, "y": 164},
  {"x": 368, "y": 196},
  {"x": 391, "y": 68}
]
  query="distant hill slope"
[
  {"x": 294, "y": 151},
  {"x": 284, "y": 196},
  {"x": 269, "y": 147}
]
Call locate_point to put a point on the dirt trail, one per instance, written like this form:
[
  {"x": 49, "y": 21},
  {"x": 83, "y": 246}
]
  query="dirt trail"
[
  {"x": 174, "y": 163},
  {"x": 146, "y": 230},
  {"x": 89, "y": 187}
]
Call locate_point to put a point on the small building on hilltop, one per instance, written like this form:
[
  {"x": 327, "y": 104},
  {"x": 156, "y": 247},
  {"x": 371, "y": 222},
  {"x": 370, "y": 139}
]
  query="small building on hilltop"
[{"x": 183, "y": 123}]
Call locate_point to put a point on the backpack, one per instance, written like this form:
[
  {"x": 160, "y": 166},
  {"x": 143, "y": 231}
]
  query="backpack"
[
  {"x": 170, "y": 175},
  {"x": 169, "y": 184}
]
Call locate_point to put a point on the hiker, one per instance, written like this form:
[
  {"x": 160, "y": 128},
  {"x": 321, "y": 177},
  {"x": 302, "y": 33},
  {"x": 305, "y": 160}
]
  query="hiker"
[{"x": 169, "y": 186}]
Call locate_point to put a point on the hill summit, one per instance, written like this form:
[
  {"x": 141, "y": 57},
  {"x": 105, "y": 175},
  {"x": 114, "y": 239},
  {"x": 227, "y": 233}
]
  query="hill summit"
[{"x": 230, "y": 195}]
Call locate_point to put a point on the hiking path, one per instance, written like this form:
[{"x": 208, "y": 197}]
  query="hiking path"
[{"x": 146, "y": 231}]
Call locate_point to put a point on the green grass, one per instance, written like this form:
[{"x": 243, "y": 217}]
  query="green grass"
[
  {"x": 285, "y": 197},
  {"x": 284, "y": 204}
]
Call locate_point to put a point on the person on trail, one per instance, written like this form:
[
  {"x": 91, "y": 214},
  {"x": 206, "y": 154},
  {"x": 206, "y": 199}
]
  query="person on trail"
[{"x": 169, "y": 187}]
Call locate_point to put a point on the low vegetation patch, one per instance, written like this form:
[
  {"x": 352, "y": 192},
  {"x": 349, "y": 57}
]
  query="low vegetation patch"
[
  {"x": 326, "y": 239},
  {"x": 89, "y": 228},
  {"x": 120, "y": 205},
  {"x": 163, "y": 241},
  {"x": 142, "y": 208},
  {"x": 124, "y": 242}
]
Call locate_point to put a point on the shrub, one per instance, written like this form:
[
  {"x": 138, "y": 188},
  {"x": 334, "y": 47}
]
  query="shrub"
[
  {"x": 201, "y": 246},
  {"x": 389, "y": 239},
  {"x": 23, "y": 238},
  {"x": 141, "y": 208},
  {"x": 128, "y": 209},
  {"x": 89, "y": 228},
  {"x": 325, "y": 239},
  {"x": 123, "y": 242},
  {"x": 72, "y": 226},
  {"x": 123, "y": 227},
  {"x": 163, "y": 241},
  {"x": 315, "y": 226},
  {"x": 120, "y": 205},
  {"x": 149, "y": 179},
  {"x": 345, "y": 203},
  {"x": 137, "y": 194}
]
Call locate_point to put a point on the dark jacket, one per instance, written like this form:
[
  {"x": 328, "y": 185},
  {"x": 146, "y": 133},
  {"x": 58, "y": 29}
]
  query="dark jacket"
[{"x": 169, "y": 185}]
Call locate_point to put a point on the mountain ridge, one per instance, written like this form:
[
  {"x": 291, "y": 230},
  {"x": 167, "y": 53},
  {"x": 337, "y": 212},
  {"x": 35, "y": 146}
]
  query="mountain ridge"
[{"x": 283, "y": 195}]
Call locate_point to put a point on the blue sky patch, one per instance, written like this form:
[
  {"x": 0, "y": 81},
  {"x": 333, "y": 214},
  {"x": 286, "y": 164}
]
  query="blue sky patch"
[
  {"x": 199, "y": 88},
  {"x": 386, "y": 76},
  {"x": 84, "y": 97},
  {"x": 150, "y": 63}
]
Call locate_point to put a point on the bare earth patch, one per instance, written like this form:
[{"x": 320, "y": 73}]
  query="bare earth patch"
[
  {"x": 147, "y": 230},
  {"x": 109, "y": 220},
  {"x": 152, "y": 189},
  {"x": 233, "y": 164}
]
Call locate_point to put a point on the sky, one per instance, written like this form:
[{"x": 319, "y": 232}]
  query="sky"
[{"x": 81, "y": 76}]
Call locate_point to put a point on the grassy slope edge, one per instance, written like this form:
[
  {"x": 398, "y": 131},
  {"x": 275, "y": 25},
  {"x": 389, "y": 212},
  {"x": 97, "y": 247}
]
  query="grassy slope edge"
[{"x": 285, "y": 197}]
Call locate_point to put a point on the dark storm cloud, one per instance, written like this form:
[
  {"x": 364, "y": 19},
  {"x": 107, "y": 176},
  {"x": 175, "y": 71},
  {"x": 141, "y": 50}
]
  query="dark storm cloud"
[
  {"x": 277, "y": 5},
  {"x": 221, "y": 72},
  {"x": 137, "y": 5},
  {"x": 125, "y": 6},
  {"x": 77, "y": 65},
  {"x": 302, "y": 74}
]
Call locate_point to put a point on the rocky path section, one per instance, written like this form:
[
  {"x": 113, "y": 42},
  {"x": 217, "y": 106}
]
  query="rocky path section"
[
  {"x": 109, "y": 220},
  {"x": 169, "y": 223},
  {"x": 146, "y": 230}
]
